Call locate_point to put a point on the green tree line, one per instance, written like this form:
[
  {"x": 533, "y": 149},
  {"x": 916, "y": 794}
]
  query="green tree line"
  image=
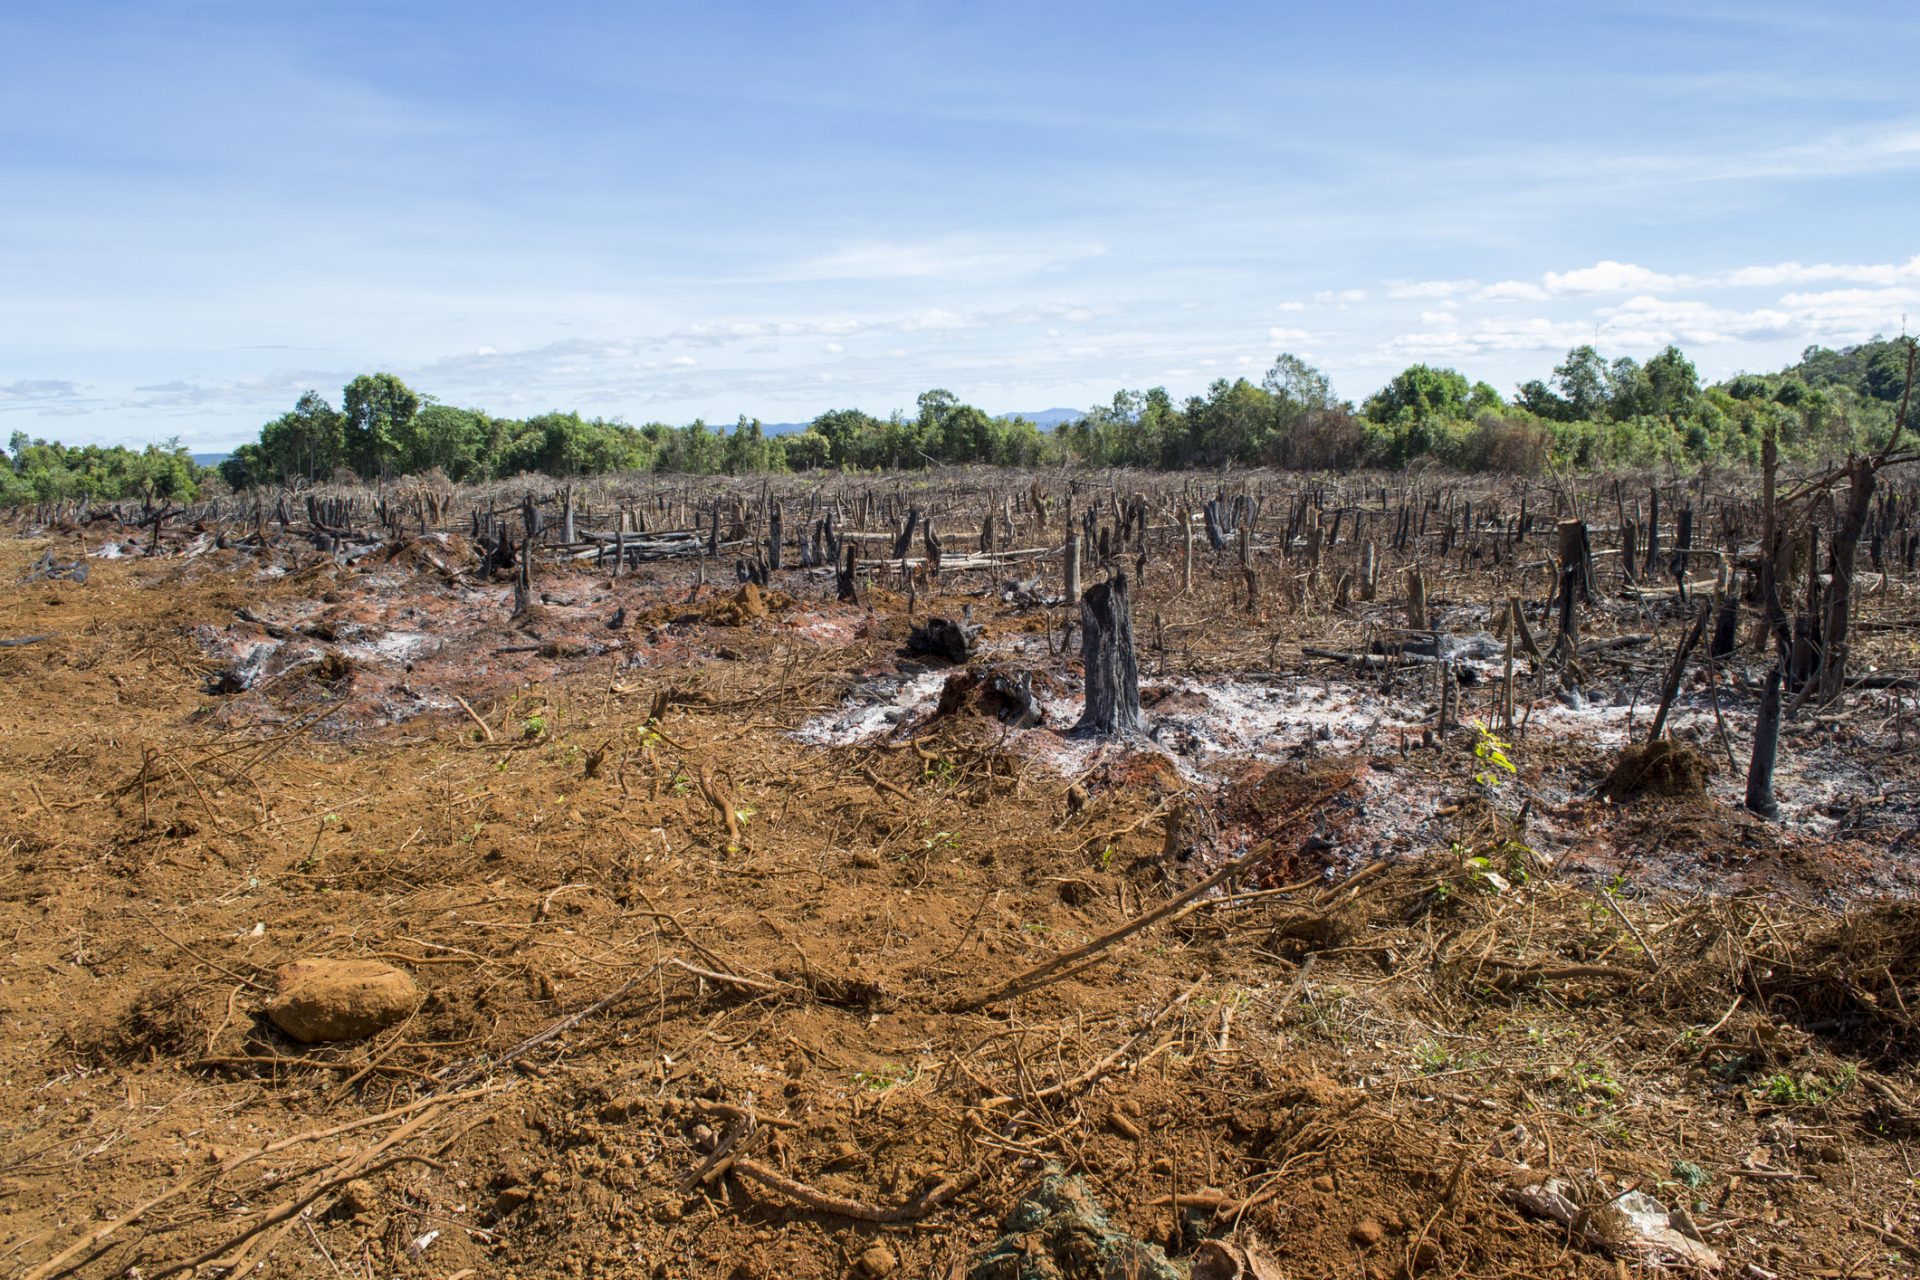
[
  {"x": 39, "y": 471},
  {"x": 1589, "y": 412}
]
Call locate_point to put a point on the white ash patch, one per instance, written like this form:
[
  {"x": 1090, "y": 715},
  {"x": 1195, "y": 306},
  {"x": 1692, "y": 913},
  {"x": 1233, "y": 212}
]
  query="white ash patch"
[
  {"x": 876, "y": 707},
  {"x": 393, "y": 646},
  {"x": 1268, "y": 720}
]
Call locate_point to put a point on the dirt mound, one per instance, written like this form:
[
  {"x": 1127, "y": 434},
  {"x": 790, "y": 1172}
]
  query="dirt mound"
[
  {"x": 446, "y": 553},
  {"x": 751, "y": 603},
  {"x": 1662, "y": 768},
  {"x": 1857, "y": 982}
]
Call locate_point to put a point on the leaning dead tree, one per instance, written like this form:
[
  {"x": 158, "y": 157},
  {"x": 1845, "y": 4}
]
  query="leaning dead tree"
[{"x": 1113, "y": 674}]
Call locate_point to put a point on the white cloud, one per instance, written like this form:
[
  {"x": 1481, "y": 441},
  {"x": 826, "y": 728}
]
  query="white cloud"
[
  {"x": 37, "y": 391},
  {"x": 684, "y": 362},
  {"x": 1434, "y": 319},
  {"x": 1340, "y": 297},
  {"x": 1647, "y": 321},
  {"x": 1291, "y": 306},
  {"x": 1281, "y": 337},
  {"x": 1608, "y": 276},
  {"x": 1427, "y": 289},
  {"x": 1512, "y": 291},
  {"x": 1851, "y": 315},
  {"x": 1501, "y": 334},
  {"x": 833, "y": 348},
  {"x": 1827, "y": 273}
]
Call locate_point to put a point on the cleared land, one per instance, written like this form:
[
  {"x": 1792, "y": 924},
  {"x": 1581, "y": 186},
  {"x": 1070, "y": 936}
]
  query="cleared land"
[{"x": 734, "y": 919}]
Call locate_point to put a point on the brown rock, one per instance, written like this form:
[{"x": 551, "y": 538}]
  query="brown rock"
[
  {"x": 877, "y": 1263},
  {"x": 1367, "y": 1233},
  {"x": 322, "y": 1000}
]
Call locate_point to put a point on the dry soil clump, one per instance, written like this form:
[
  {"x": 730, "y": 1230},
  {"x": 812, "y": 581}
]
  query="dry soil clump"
[
  {"x": 1660, "y": 768},
  {"x": 316, "y": 1001}
]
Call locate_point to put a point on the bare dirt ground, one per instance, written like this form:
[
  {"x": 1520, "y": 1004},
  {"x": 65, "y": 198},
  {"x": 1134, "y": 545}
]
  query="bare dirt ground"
[{"x": 704, "y": 887}]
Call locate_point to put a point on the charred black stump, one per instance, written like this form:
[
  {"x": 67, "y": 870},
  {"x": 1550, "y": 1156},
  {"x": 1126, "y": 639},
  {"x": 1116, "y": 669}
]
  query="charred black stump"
[
  {"x": 944, "y": 638},
  {"x": 1113, "y": 675}
]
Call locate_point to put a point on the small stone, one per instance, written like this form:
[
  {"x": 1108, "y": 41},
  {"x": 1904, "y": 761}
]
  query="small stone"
[
  {"x": 316, "y": 1001},
  {"x": 509, "y": 1200},
  {"x": 1367, "y": 1233},
  {"x": 1323, "y": 1183},
  {"x": 878, "y": 1262}
]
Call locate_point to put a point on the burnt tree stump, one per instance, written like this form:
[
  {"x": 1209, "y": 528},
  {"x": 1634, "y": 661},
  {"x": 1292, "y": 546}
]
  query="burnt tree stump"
[
  {"x": 1766, "y": 749},
  {"x": 945, "y": 638},
  {"x": 843, "y": 584},
  {"x": 1113, "y": 674}
]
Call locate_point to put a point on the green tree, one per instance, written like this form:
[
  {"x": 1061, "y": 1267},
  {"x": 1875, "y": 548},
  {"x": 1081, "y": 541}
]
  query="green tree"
[
  {"x": 1581, "y": 381},
  {"x": 746, "y": 450},
  {"x": 454, "y": 440},
  {"x": 378, "y": 410},
  {"x": 304, "y": 444},
  {"x": 1673, "y": 383},
  {"x": 1420, "y": 392}
]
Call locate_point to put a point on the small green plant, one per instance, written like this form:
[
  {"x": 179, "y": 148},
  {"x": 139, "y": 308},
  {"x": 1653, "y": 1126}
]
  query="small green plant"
[
  {"x": 534, "y": 727},
  {"x": 1587, "y": 1086},
  {"x": 1691, "y": 1175},
  {"x": 890, "y": 1076},
  {"x": 1783, "y": 1090},
  {"x": 1492, "y": 753},
  {"x": 1431, "y": 1058}
]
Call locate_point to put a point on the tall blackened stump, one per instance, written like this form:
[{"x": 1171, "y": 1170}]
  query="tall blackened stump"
[
  {"x": 903, "y": 542},
  {"x": 1214, "y": 514},
  {"x": 776, "y": 519},
  {"x": 1726, "y": 625},
  {"x": 1681, "y": 564},
  {"x": 1113, "y": 673},
  {"x": 1766, "y": 748},
  {"x": 843, "y": 577}
]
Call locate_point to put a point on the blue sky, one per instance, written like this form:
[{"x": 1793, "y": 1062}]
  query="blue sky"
[{"x": 774, "y": 209}]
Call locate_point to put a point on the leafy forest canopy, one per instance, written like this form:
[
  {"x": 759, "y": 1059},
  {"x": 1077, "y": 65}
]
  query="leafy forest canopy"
[{"x": 1589, "y": 412}]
